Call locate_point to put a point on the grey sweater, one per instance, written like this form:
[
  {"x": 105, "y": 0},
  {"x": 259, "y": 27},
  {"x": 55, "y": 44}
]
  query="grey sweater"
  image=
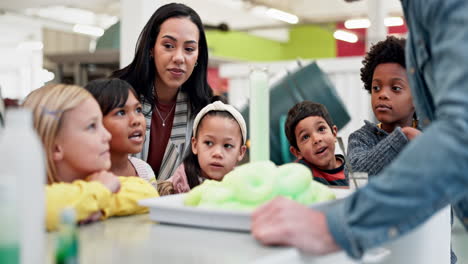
[{"x": 370, "y": 148}]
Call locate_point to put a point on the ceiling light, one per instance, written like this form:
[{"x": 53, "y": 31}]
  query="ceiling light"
[
  {"x": 88, "y": 30},
  {"x": 283, "y": 16},
  {"x": 357, "y": 23},
  {"x": 365, "y": 23},
  {"x": 345, "y": 36},
  {"x": 393, "y": 21}
]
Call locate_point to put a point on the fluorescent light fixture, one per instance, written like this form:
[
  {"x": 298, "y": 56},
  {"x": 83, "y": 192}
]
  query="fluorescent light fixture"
[
  {"x": 365, "y": 23},
  {"x": 30, "y": 45},
  {"x": 283, "y": 16},
  {"x": 345, "y": 36},
  {"x": 357, "y": 23},
  {"x": 393, "y": 21},
  {"x": 88, "y": 30}
]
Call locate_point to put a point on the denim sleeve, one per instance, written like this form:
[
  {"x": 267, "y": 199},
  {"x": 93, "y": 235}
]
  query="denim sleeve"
[
  {"x": 461, "y": 211},
  {"x": 431, "y": 171}
]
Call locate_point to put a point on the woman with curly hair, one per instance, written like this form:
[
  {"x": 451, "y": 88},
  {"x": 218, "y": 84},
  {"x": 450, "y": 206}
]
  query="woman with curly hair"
[{"x": 374, "y": 146}]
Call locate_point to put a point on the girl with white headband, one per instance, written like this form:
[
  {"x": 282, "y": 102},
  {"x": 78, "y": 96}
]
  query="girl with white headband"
[{"x": 218, "y": 144}]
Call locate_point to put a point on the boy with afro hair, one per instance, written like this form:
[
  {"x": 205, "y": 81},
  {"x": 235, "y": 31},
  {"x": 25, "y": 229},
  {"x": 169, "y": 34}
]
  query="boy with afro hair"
[{"x": 374, "y": 146}]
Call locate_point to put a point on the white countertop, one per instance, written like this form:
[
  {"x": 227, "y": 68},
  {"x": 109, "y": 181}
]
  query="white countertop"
[{"x": 137, "y": 239}]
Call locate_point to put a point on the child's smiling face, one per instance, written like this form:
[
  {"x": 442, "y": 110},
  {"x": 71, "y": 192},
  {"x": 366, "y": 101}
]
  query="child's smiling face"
[
  {"x": 218, "y": 146},
  {"x": 316, "y": 142},
  {"x": 391, "y": 98}
]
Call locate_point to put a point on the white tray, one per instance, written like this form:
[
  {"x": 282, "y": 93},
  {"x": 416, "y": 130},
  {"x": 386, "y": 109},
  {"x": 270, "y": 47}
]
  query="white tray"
[{"x": 171, "y": 210}]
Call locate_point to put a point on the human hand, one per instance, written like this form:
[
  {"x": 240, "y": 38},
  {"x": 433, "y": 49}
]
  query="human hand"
[
  {"x": 108, "y": 179},
  {"x": 410, "y": 132},
  {"x": 288, "y": 223},
  {"x": 92, "y": 218}
]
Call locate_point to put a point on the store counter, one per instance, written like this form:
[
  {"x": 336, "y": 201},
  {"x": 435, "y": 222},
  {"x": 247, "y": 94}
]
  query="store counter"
[{"x": 137, "y": 239}]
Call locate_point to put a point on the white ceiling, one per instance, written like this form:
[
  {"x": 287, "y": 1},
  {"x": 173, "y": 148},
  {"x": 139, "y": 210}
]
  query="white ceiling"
[
  {"x": 101, "y": 6},
  {"x": 233, "y": 12},
  {"x": 329, "y": 10}
]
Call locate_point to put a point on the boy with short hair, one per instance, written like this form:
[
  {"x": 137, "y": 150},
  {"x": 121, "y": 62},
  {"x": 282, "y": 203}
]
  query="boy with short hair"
[{"x": 312, "y": 136}]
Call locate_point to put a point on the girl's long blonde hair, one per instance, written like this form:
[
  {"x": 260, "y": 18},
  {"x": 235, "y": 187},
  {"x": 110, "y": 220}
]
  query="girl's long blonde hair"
[{"x": 49, "y": 103}]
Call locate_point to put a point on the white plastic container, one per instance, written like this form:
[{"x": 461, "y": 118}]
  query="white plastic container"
[
  {"x": 22, "y": 162},
  {"x": 9, "y": 237}
]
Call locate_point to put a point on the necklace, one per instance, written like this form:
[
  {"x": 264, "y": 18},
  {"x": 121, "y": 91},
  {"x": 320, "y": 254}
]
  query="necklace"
[
  {"x": 167, "y": 116},
  {"x": 414, "y": 124},
  {"x": 159, "y": 113}
]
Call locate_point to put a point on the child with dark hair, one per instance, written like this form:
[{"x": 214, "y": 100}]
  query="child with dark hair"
[
  {"x": 124, "y": 120},
  {"x": 374, "y": 146},
  {"x": 218, "y": 144},
  {"x": 312, "y": 136}
]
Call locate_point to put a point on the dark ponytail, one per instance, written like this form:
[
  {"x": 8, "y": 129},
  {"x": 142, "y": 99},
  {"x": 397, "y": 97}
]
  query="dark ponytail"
[{"x": 192, "y": 169}]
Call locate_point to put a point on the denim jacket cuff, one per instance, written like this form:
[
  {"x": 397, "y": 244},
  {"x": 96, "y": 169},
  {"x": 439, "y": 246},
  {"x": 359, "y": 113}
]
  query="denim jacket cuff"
[
  {"x": 461, "y": 211},
  {"x": 336, "y": 215}
]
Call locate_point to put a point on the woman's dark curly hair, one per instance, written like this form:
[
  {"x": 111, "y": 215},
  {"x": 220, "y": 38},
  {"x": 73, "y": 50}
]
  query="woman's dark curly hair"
[{"x": 390, "y": 50}]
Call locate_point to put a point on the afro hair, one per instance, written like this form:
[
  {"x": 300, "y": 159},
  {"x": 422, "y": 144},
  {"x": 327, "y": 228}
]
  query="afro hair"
[{"x": 390, "y": 50}]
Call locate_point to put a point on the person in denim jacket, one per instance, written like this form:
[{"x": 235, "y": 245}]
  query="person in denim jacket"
[{"x": 399, "y": 199}]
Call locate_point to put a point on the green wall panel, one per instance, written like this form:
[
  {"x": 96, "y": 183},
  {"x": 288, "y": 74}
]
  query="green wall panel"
[{"x": 306, "y": 42}]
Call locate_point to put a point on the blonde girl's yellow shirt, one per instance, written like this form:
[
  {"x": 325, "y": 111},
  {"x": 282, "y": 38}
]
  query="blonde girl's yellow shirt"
[{"x": 89, "y": 197}]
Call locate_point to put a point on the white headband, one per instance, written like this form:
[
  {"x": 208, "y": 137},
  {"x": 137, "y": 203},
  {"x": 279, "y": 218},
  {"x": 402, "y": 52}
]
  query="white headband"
[{"x": 220, "y": 106}]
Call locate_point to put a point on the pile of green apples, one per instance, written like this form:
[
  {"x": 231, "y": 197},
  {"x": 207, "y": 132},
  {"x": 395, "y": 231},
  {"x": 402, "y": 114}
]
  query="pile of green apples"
[{"x": 255, "y": 183}]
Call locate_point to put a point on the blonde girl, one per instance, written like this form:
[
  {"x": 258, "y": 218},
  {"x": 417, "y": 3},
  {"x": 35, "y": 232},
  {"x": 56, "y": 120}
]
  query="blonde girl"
[{"x": 69, "y": 123}]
